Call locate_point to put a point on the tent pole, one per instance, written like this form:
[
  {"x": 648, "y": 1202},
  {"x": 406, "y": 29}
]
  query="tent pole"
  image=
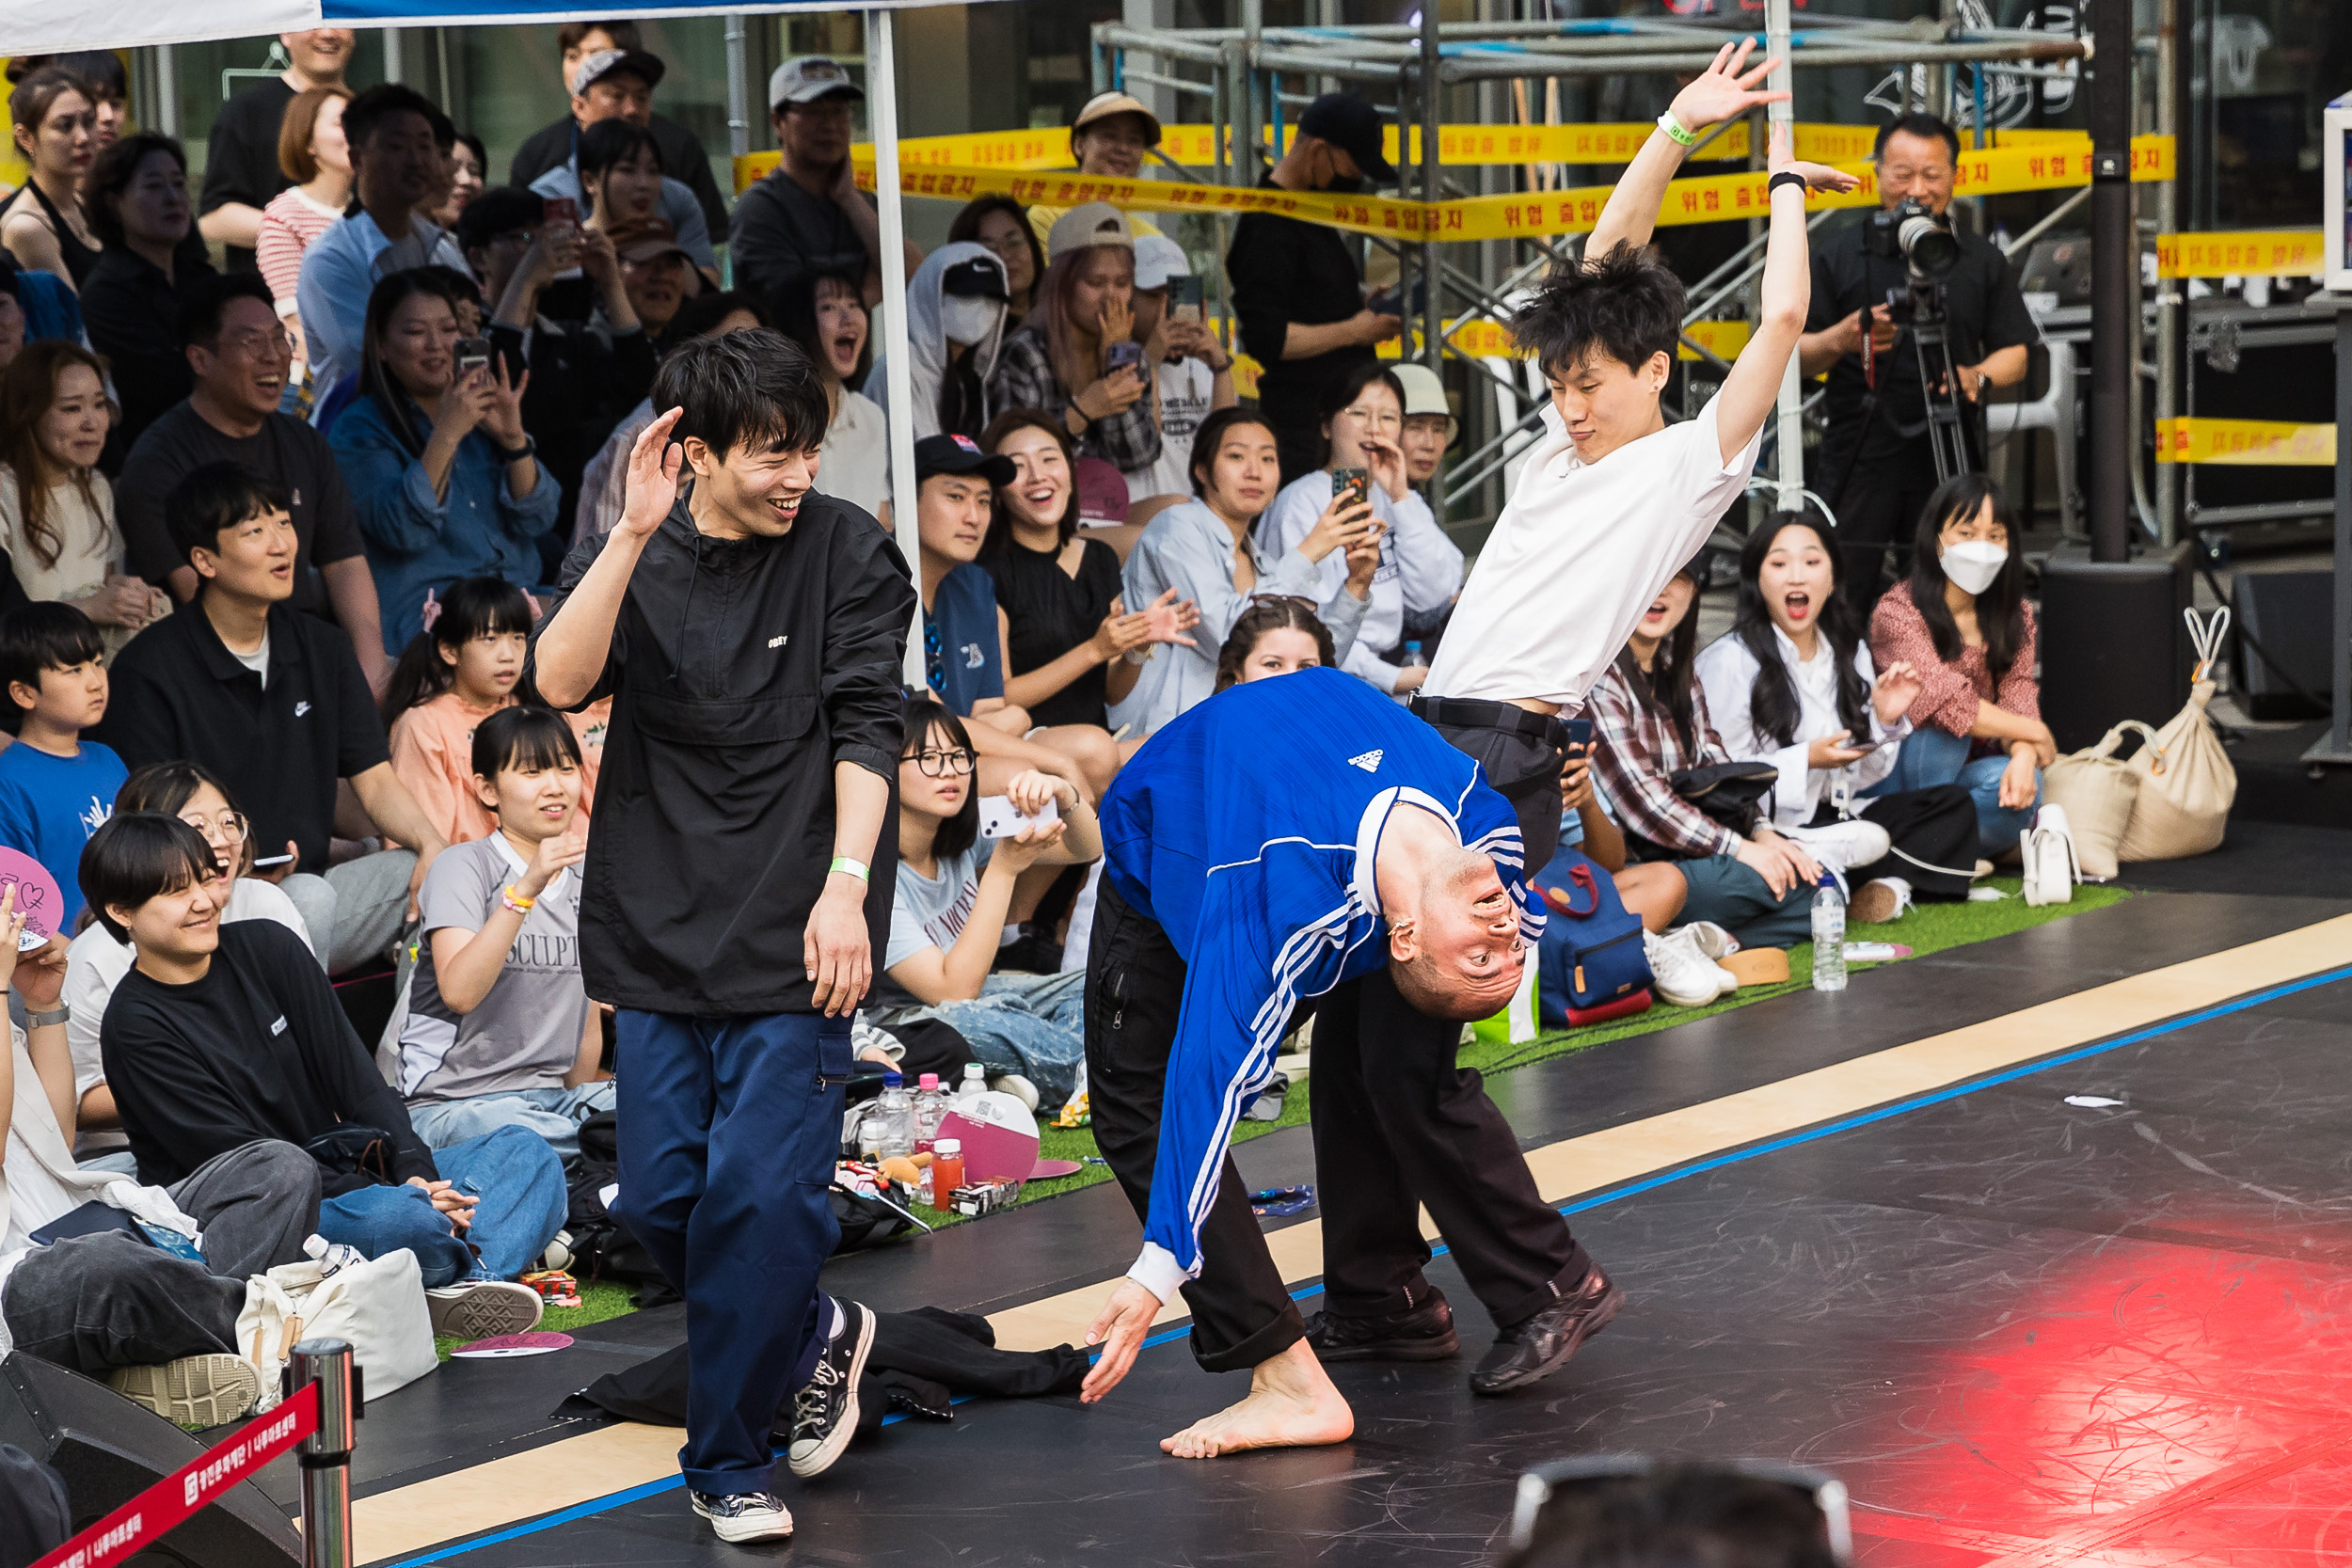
[
  {"x": 1788, "y": 440},
  {"x": 739, "y": 88},
  {"x": 881, "y": 96}
]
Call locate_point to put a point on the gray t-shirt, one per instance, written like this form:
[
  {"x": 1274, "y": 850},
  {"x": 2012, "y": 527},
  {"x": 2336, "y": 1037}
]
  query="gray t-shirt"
[
  {"x": 928, "y": 912},
  {"x": 525, "y": 1035}
]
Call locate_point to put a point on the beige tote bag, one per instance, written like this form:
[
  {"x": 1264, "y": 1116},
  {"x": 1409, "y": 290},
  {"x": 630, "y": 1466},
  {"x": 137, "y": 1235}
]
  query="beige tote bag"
[
  {"x": 2186, "y": 781},
  {"x": 2098, "y": 790}
]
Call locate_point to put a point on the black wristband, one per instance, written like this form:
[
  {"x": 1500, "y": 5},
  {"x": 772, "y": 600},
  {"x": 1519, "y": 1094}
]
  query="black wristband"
[
  {"x": 1786, "y": 177},
  {"x": 516, "y": 454}
]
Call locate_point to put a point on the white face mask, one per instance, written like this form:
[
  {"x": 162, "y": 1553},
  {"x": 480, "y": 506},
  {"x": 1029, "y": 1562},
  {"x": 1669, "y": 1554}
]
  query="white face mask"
[
  {"x": 967, "y": 317},
  {"x": 1973, "y": 563}
]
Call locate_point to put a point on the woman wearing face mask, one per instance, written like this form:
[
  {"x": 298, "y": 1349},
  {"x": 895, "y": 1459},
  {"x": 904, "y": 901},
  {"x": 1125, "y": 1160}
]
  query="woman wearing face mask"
[
  {"x": 955, "y": 331},
  {"x": 1650, "y": 719},
  {"x": 825, "y": 314},
  {"x": 1964, "y": 622},
  {"x": 1419, "y": 570},
  {"x": 1793, "y": 685},
  {"x": 1200, "y": 550},
  {"x": 999, "y": 223},
  {"x": 1076, "y": 358}
]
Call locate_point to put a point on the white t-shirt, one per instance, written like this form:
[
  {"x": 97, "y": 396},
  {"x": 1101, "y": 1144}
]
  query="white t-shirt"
[
  {"x": 1187, "y": 387},
  {"x": 1420, "y": 567},
  {"x": 1726, "y": 671},
  {"x": 95, "y": 963},
  {"x": 854, "y": 465},
  {"x": 258, "y": 660},
  {"x": 1579, "y": 554}
]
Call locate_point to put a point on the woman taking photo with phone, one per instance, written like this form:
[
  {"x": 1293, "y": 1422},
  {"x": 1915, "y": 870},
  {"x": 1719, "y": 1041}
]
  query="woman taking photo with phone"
[
  {"x": 1419, "y": 568},
  {"x": 1076, "y": 358},
  {"x": 1200, "y": 550},
  {"x": 444, "y": 479}
]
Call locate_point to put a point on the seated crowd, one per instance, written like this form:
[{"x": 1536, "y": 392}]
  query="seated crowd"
[{"x": 278, "y": 535}]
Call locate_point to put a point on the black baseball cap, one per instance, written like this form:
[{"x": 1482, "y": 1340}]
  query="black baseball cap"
[
  {"x": 1353, "y": 126},
  {"x": 959, "y": 455}
]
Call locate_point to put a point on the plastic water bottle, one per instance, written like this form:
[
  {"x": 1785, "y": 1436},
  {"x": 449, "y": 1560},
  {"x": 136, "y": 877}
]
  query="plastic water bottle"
[
  {"x": 974, "y": 1081},
  {"x": 1829, "y": 936},
  {"x": 931, "y": 1109},
  {"x": 1414, "y": 659},
  {"x": 889, "y": 1125}
]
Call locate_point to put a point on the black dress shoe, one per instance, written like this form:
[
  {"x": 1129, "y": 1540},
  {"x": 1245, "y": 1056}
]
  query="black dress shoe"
[
  {"x": 1422, "y": 1333},
  {"x": 1542, "y": 1345}
]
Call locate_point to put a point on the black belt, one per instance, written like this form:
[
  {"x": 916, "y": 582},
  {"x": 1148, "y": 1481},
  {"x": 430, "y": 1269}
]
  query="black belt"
[{"x": 1476, "y": 713}]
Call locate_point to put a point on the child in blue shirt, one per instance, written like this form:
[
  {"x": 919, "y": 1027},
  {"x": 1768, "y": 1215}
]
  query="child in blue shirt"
[{"x": 55, "y": 788}]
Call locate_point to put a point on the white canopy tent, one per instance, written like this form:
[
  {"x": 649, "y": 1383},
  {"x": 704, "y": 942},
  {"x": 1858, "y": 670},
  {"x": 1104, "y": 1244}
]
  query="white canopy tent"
[{"x": 45, "y": 26}]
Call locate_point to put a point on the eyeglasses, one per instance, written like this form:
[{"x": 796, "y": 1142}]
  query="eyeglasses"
[
  {"x": 1284, "y": 599},
  {"x": 1376, "y": 418},
  {"x": 256, "y": 345},
  {"x": 1539, "y": 1486},
  {"x": 941, "y": 765},
  {"x": 228, "y": 825}
]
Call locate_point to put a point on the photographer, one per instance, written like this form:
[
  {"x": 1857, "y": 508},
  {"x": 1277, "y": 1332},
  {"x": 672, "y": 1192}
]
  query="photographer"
[{"x": 1876, "y": 466}]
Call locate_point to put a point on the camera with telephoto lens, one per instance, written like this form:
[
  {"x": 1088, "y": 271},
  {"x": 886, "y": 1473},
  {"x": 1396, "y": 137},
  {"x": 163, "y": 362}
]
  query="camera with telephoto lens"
[{"x": 1924, "y": 241}]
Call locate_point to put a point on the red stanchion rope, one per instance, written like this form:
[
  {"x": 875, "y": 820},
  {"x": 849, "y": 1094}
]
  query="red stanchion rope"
[{"x": 140, "y": 1523}]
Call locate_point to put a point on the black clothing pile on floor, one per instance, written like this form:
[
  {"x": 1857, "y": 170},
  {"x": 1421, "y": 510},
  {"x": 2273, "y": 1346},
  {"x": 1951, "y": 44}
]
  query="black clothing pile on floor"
[{"x": 920, "y": 1362}]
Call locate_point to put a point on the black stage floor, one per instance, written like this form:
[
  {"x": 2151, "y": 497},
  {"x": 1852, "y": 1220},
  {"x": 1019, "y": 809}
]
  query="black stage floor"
[{"x": 2024, "y": 1331}]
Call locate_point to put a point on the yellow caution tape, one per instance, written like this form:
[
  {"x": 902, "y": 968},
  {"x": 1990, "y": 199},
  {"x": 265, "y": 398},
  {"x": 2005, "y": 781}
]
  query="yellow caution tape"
[
  {"x": 2248, "y": 443},
  {"x": 2253, "y": 252},
  {"x": 1702, "y": 198}
]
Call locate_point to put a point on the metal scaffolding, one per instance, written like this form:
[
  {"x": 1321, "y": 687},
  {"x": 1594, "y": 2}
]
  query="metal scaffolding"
[{"x": 1248, "y": 77}]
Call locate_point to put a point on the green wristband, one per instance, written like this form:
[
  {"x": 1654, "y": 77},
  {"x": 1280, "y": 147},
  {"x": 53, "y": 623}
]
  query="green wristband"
[
  {"x": 1673, "y": 127},
  {"x": 854, "y": 868}
]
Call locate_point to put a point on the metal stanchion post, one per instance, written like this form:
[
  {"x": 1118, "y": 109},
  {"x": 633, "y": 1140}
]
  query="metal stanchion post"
[{"x": 326, "y": 1454}]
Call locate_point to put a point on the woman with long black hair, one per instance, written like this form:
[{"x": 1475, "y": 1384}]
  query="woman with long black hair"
[
  {"x": 1793, "y": 685},
  {"x": 1962, "y": 620}
]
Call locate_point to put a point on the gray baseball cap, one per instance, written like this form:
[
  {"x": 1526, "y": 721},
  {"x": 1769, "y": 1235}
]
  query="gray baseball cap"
[{"x": 806, "y": 78}]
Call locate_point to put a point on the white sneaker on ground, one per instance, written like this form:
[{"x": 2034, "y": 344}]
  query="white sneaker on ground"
[
  {"x": 1684, "y": 977},
  {"x": 480, "y": 1308},
  {"x": 193, "y": 1391},
  {"x": 1843, "y": 845},
  {"x": 1017, "y": 1087},
  {"x": 739, "y": 1516},
  {"x": 1879, "y": 900},
  {"x": 1714, "y": 945}
]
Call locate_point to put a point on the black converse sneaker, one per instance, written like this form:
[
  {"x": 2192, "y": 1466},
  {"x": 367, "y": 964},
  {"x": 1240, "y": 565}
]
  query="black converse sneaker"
[
  {"x": 824, "y": 1412},
  {"x": 744, "y": 1515}
]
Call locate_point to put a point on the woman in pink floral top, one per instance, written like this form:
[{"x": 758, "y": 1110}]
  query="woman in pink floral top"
[{"x": 1962, "y": 622}]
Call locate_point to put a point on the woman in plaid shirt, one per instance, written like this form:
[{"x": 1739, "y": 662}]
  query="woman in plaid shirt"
[
  {"x": 1649, "y": 718},
  {"x": 1059, "y": 362}
]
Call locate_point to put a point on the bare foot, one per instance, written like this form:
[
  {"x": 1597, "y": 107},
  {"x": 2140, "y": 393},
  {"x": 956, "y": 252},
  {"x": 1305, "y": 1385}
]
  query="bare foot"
[{"x": 1291, "y": 1404}]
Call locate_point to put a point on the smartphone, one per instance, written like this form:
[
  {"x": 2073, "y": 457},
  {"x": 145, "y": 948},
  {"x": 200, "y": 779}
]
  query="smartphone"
[
  {"x": 561, "y": 209},
  {"x": 1001, "y": 819},
  {"x": 271, "y": 860},
  {"x": 1580, "y": 735},
  {"x": 1356, "y": 480},
  {"x": 1183, "y": 300},
  {"x": 1125, "y": 355},
  {"x": 473, "y": 354}
]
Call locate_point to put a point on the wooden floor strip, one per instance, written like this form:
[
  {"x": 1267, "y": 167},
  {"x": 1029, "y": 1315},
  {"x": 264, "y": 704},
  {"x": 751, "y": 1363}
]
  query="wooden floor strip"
[{"x": 614, "y": 1458}]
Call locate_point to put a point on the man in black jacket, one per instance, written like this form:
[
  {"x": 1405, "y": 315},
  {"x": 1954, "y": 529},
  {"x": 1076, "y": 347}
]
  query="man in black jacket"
[
  {"x": 751, "y": 633},
  {"x": 682, "y": 155}
]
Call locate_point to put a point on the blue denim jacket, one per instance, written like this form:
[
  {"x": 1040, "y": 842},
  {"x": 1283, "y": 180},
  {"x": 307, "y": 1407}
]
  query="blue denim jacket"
[{"x": 418, "y": 540}]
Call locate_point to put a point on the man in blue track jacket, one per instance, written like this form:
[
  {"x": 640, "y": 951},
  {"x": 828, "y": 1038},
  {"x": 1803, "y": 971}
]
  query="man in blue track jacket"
[{"x": 1274, "y": 843}]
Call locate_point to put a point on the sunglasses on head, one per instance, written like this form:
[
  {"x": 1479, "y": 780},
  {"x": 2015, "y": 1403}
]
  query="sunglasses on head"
[{"x": 1540, "y": 1487}]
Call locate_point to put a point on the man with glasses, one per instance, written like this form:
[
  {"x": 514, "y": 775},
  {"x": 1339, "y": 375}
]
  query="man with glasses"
[
  {"x": 240, "y": 355},
  {"x": 807, "y": 215},
  {"x": 1877, "y": 468}
]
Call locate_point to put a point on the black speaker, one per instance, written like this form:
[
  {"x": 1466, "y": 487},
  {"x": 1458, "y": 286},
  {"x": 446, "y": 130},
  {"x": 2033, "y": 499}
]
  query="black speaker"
[
  {"x": 2292, "y": 615},
  {"x": 109, "y": 1450},
  {"x": 2113, "y": 643}
]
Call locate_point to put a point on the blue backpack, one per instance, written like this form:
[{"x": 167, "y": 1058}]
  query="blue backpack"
[{"x": 1592, "y": 964}]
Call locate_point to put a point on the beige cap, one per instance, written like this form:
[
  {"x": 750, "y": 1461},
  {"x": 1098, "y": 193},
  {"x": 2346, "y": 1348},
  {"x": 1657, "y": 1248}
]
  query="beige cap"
[
  {"x": 1105, "y": 104},
  {"x": 1423, "y": 392},
  {"x": 1095, "y": 223}
]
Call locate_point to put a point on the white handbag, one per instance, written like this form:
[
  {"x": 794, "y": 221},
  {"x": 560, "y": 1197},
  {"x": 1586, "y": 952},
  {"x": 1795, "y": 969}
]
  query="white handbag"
[
  {"x": 2048, "y": 850},
  {"x": 376, "y": 1305}
]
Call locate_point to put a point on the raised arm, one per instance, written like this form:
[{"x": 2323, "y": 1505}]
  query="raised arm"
[
  {"x": 569, "y": 656},
  {"x": 1723, "y": 89},
  {"x": 1751, "y": 389}
]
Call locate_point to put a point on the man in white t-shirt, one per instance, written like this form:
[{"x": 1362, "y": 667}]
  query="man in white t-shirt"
[
  {"x": 1612, "y": 500},
  {"x": 1196, "y": 375}
]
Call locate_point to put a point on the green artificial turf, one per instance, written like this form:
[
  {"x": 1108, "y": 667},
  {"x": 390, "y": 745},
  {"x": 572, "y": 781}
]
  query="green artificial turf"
[{"x": 1930, "y": 928}]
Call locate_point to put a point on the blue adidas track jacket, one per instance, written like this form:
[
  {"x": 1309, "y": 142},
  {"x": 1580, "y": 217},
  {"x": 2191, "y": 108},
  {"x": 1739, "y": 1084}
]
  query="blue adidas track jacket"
[{"x": 1247, "y": 829}]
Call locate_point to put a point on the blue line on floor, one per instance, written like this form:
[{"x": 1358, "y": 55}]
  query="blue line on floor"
[{"x": 1811, "y": 1134}]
